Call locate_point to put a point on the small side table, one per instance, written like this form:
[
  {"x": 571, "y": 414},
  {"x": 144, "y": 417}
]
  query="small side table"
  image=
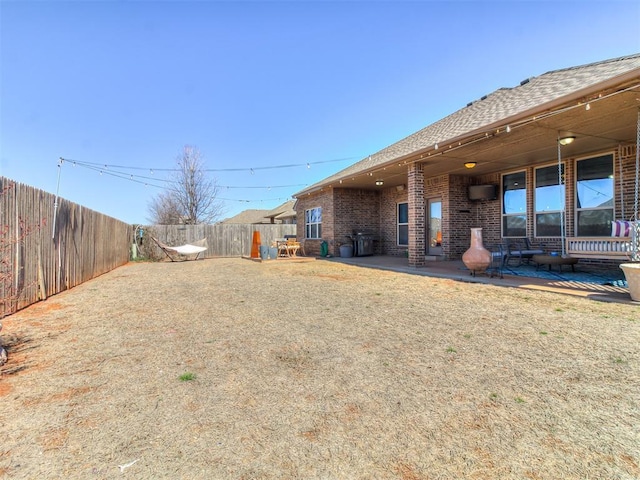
[{"x": 554, "y": 260}]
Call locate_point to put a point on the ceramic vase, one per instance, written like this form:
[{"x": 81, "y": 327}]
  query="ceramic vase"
[
  {"x": 476, "y": 258},
  {"x": 632, "y": 275}
]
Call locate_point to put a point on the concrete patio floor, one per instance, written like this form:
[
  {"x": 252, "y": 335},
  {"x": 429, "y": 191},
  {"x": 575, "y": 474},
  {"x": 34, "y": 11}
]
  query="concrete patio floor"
[{"x": 456, "y": 270}]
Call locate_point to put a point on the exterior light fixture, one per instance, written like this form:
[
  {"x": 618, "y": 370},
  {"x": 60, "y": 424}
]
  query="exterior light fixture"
[
  {"x": 379, "y": 182},
  {"x": 470, "y": 164},
  {"x": 566, "y": 140}
]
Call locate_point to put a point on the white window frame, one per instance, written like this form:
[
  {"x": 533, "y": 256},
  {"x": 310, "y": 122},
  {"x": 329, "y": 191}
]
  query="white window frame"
[{"x": 309, "y": 229}]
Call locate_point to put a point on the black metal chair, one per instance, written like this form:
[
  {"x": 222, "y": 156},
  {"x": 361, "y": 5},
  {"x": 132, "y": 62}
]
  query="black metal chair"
[
  {"x": 498, "y": 255},
  {"x": 520, "y": 248}
]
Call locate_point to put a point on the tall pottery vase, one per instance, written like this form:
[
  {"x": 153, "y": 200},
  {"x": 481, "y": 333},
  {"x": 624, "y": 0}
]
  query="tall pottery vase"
[
  {"x": 632, "y": 275},
  {"x": 477, "y": 258}
]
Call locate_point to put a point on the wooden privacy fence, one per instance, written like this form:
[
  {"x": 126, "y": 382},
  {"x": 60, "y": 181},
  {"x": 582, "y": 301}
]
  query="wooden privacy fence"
[
  {"x": 223, "y": 240},
  {"x": 40, "y": 257}
]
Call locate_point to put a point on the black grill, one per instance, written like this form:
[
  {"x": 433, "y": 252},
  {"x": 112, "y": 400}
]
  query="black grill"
[{"x": 362, "y": 244}]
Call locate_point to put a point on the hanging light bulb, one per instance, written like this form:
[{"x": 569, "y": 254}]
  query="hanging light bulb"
[
  {"x": 588, "y": 107},
  {"x": 308, "y": 165},
  {"x": 508, "y": 128},
  {"x": 435, "y": 147}
]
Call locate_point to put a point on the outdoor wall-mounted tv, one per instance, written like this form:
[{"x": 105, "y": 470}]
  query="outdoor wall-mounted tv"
[{"x": 483, "y": 192}]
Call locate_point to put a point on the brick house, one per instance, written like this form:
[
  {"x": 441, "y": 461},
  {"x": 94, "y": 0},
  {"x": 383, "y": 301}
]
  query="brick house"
[{"x": 512, "y": 148}]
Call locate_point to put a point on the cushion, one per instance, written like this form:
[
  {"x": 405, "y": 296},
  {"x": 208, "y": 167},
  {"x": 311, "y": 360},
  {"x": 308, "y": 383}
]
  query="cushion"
[{"x": 620, "y": 228}]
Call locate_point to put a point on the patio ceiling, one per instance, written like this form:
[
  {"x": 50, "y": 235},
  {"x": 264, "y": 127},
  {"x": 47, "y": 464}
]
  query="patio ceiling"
[{"x": 609, "y": 122}]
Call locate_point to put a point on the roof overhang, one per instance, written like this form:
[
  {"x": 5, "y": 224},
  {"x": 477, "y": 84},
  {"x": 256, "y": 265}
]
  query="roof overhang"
[{"x": 601, "y": 118}]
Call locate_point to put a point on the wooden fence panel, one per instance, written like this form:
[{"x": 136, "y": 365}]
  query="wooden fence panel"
[
  {"x": 223, "y": 240},
  {"x": 48, "y": 245},
  {"x": 46, "y": 249}
]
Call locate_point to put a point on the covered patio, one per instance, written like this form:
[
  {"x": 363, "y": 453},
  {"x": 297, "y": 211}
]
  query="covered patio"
[
  {"x": 589, "y": 281},
  {"x": 553, "y": 160}
]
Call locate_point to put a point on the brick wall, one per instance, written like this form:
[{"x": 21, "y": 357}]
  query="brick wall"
[
  {"x": 346, "y": 210},
  {"x": 323, "y": 199},
  {"x": 417, "y": 188},
  {"x": 628, "y": 156},
  {"x": 485, "y": 214},
  {"x": 343, "y": 212},
  {"x": 389, "y": 220},
  {"x": 355, "y": 211}
]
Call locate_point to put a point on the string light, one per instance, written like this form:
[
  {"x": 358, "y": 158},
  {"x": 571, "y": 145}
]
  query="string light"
[
  {"x": 133, "y": 178},
  {"x": 239, "y": 169}
]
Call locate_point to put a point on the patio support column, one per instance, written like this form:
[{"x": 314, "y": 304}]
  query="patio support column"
[{"x": 416, "y": 202}]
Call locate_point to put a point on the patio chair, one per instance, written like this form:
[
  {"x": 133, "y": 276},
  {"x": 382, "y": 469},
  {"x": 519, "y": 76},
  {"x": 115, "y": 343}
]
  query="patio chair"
[
  {"x": 520, "y": 248},
  {"x": 183, "y": 251},
  {"x": 498, "y": 255}
]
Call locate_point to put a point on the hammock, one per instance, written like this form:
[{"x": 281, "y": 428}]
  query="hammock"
[{"x": 195, "y": 248}]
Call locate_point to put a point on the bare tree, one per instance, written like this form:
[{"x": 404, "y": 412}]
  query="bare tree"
[
  {"x": 164, "y": 209},
  {"x": 192, "y": 197}
]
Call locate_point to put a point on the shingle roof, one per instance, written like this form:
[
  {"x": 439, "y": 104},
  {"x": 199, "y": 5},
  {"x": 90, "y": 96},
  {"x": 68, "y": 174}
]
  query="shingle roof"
[
  {"x": 283, "y": 211},
  {"x": 249, "y": 216},
  {"x": 501, "y": 105}
]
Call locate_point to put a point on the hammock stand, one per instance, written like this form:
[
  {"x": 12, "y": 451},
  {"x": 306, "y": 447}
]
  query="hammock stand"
[{"x": 183, "y": 252}]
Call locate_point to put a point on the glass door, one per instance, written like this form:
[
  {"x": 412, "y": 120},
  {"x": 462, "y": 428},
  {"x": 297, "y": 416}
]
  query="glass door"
[{"x": 434, "y": 226}]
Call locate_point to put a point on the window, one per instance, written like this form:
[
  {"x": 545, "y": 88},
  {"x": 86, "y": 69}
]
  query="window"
[
  {"x": 313, "y": 222},
  {"x": 403, "y": 224},
  {"x": 514, "y": 205},
  {"x": 549, "y": 201},
  {"x": 594, "y": 196}
]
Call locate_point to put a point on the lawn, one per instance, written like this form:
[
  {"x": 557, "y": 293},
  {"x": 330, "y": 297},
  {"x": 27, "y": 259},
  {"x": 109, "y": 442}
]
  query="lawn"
[{"x": 232, "y": 369}]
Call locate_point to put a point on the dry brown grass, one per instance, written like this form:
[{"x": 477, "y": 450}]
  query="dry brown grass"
[{"x": 317, "y": 370}]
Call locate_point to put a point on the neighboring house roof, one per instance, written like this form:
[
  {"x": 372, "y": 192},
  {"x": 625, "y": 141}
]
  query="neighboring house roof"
[
  {"x": 249, "y": 216},
  {"x": 286, "y": 210},
  {"x": 536, "y": 94}
]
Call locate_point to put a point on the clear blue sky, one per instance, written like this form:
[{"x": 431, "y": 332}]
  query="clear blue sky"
[{"x": 261, "y": 84}]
